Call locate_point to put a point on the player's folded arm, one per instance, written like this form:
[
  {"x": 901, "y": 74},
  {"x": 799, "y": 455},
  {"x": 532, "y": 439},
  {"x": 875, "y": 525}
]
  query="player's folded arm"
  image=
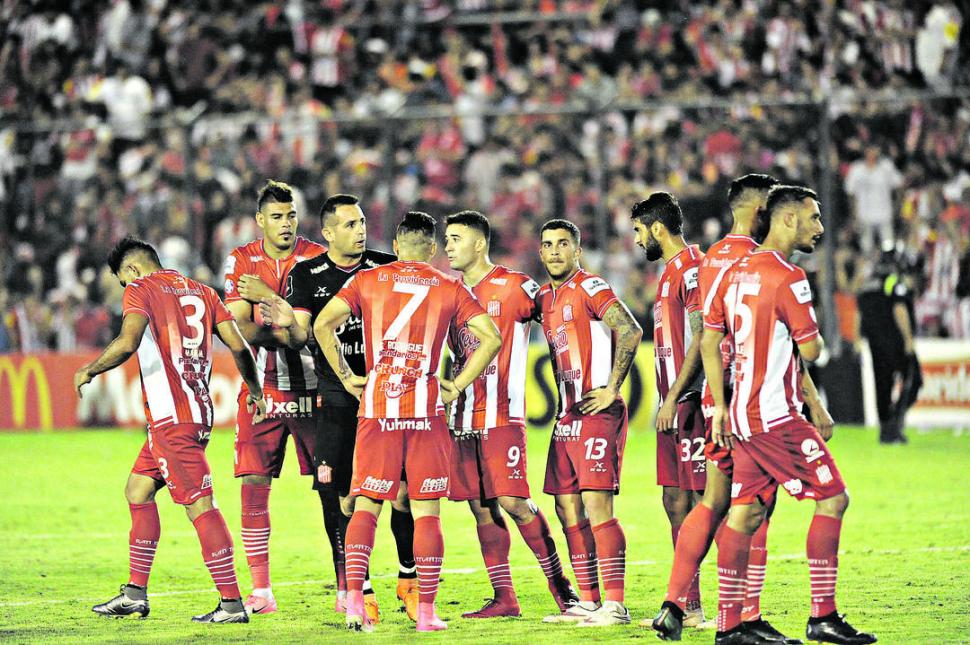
[{"x": 490, "y": 342}]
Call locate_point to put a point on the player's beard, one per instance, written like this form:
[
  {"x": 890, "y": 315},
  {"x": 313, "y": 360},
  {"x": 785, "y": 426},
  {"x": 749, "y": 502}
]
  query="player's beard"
[{"x": 653, "y": 250}]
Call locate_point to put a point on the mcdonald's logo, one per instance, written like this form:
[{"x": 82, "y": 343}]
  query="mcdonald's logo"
[{"x": 17, "y": 378}]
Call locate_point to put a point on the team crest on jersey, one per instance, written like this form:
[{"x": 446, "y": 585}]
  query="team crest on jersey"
[
  {"x": 594, "y": 285},
  {"x": 494, "y": 308},
  {"x": 230, "y": 286},
  {"x": 567, "y": 313}
]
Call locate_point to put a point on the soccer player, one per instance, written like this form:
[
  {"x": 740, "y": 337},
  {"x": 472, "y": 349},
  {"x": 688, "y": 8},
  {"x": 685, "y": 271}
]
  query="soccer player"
[
  {"x": 406, "y": 308},
  {"x": 311, "y": 285},
  {"x": 677, "y": 325},
  {"x": 488, "y": 420},
  {"x": 256, "y": 273},
  {"x": 592, "y": 340},
  {"x": 763, "y": 304},
  {"x": 174, "y": 359},
  {"x": 746, "y": 196}
]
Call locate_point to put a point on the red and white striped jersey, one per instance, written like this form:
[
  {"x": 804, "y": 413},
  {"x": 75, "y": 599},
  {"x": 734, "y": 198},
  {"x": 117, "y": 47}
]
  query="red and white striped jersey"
[
  {"x": 279, "y": 369},
  {"x": 580, "y": 343},
  {"x": 764, "y": 305},
  {"x": 497, "y": 397},
  {"x": 722, "y": 253},
  {"x": 175, "y": 353},
  {"x": 677, "y": 297},
  {"x": 406, "y": 309}
]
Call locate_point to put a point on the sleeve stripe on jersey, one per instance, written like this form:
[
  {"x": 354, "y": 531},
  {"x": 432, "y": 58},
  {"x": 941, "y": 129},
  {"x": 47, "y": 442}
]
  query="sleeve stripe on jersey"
[
  {"x": 606, "y": 305},
  {"x": 692, "y": 307},
  {"x": 807, "y": 336},
  {"x": 133, "y": 310},
  {"x": 708, "y": 325},
  {"x": 306, "y": 311}
]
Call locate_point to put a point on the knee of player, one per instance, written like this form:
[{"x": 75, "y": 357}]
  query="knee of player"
[
  {"x": 675, "y": 501},
  {"x": 199, "y": 506},
  {"x": 518, "y": 509},
  {"x": 835, "y": 506}
]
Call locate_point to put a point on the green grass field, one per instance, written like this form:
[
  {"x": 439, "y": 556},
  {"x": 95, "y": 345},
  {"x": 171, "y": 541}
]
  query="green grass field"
[{"x": 63, "y": 547}]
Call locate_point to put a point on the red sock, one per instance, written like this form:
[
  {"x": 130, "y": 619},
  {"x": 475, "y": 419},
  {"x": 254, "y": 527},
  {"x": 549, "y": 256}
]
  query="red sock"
[
  {"x": 732, "y": 565},
  {"x": 217, "y": 551},
  {"x": 142, "y": 542},
  {"x": 255, "y": 532},
  {"x": 429, "y": 552},
  {"x": 582, "y": 555},
  {"x": 495, "y": 541},
  {"x": 755, "y": 580},
  {"x": 537, "y": 535},
  {"x": 823, "y": 562},
  {"x": 693, "y": 543},
  {"x": 611, "y": 549},
  {"x": 357, "y": 548}
]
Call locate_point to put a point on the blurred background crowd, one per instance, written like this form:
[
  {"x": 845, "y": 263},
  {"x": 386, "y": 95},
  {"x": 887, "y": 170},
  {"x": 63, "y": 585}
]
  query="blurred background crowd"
[{"x": 161, "y": 118}]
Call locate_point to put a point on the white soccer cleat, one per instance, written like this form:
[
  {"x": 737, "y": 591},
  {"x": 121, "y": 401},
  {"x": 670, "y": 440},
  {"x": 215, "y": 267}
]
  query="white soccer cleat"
[
  {"x": 577, "y": 612},
  {"x": 611, "y": 613},
  {"x": 695, "y": 619}
]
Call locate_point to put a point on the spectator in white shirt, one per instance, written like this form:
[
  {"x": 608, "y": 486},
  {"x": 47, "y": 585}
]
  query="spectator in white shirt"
[{"x": 870, "y": 183}]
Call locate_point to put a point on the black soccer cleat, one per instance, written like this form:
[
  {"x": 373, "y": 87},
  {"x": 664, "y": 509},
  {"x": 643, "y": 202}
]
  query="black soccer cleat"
[
  {"x": 764, "y": 629},
  {"x": 740, "y": 636},
  {"x": 131, "y": 601},
  {"x": 669, "y": 623},
  {"x": 835, "y": 629},
  {"x": 227, "y": 611}
]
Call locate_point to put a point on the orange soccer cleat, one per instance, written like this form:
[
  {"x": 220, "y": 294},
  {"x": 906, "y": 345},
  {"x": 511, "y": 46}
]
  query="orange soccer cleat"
[{"x": 407, "y": 593}]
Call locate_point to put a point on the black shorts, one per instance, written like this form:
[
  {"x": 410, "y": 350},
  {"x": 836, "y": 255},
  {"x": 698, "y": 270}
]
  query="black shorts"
[{"x": 335, "y": 438}]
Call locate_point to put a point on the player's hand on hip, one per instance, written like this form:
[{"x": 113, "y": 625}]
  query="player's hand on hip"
[
  {"x": 257, "y": 407},
  {"x": 597, "y": 400},
  {"x": 252, "y": 288},
  {"x": 355, "y": 385},
  {"x": 720, "y": 431},
  {"x": 449, "y": 391},
  {"x": 81, "y": 377},
  {"x": 666, "y": 416},
  {"x": 822, "y": 420}
]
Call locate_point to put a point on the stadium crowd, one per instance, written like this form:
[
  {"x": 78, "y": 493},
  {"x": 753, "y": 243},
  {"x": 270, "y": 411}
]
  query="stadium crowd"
[{"x": 162, "y": 118}]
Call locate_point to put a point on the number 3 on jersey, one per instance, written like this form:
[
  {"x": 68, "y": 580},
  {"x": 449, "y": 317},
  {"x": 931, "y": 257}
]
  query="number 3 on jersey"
[
  {"x": 418, "y": 293},
  {"x": 193, "y": 320}
]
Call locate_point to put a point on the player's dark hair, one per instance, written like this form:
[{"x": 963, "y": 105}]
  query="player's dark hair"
[
  {"x": 751, "y": 181},
  {"x": 127, "y": 246},
  {"x": 273, "y": 192},
  {"x": 660, "y": 207},
  {"x": 330, "y": 206},
  {"x": 471, "y": 219},
  {"x": 779, "y": 196},
  {"x": 562, "y": 225},
  {"x": 417, "y": 222}
]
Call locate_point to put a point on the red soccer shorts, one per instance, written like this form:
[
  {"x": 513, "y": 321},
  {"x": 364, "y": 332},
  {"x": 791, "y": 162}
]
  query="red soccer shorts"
[
  {"x": 680, "y": 455},
  {"x": 792, "y": 455},
  {"x": 487, "y": 464},
  {"x": 586, "y": 452},
  {"x": 176, "y": 455},
  {"x": 421, "y": 446},
  {"x": 717, "y": 455},
  {"x": 260, "y": 448}
]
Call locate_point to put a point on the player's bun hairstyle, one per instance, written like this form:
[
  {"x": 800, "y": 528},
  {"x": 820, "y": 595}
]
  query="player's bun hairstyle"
[
  {"x": 127, "y": 246},
  {"x": 562, "y": 225},
  {"x": 417, "y": 222},
  {"x": 778, "y": 197},
  {"x": 471, "y": 219},
  {"x": 330, "y": 206},
  {"x": 273, "y": 191},
  {"x": 752, "y": 181},
  {"x": 660, "y": 207}
]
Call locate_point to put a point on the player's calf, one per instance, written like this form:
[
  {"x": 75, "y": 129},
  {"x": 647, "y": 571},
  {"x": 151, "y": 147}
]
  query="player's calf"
[{"x": 132, "y": 601}]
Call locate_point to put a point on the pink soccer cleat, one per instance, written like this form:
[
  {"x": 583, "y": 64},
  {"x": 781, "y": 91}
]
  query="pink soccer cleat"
[
  {"x": 258, "y": 605},
  {"x": 428, "y": 620}
]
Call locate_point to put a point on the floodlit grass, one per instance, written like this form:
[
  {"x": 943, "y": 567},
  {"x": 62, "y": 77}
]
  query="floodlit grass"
[{"x": 905, "y": 571}]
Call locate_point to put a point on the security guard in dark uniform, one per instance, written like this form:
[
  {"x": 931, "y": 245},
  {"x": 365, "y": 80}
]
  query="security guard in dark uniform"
[{"x": 888, "y": 323}]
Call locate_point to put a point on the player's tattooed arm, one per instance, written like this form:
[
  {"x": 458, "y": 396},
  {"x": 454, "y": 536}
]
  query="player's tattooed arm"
[
  {"x": 688, "y": 372},
  {"x": 628, "y": 333},
  {"x": 714, "y": 372},
  {"x": 819, "y": 415},
  {"x": 117, "y": 352},
  {"x": 325, "y": 327}
]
